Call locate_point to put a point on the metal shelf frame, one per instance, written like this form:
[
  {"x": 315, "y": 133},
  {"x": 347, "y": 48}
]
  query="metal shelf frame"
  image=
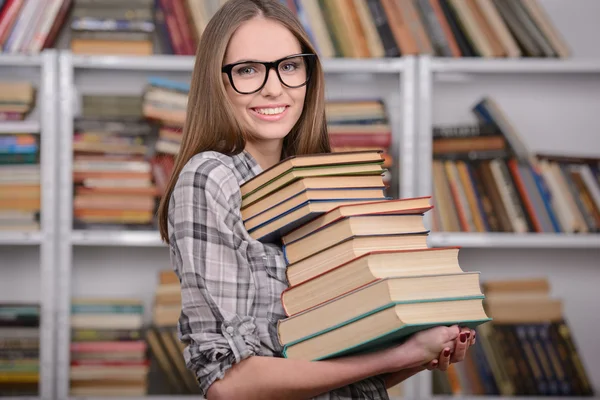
[{"x": 45, "y": 66}]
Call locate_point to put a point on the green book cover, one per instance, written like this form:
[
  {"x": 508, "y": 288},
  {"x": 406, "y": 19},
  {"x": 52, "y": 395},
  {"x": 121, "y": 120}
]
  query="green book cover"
[{"x": 395, "y": 336}]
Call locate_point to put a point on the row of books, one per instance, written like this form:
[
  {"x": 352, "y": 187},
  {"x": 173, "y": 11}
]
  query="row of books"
[
  {"x": 488, "y": 181},
  {"x": 19, "y": 349},
  {"x": 505, "y": 195},
  {"x": 19, "y": 161},
  {"x": 360, "y": 275},
  {"x": 446, "y": 28},
  {"x": 352, "y": 28},
  {"x": 529, "y": 348}
]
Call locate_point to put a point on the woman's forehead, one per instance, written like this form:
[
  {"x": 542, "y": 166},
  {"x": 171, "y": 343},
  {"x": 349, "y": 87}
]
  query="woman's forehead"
[{"x": 263, "y": 40}]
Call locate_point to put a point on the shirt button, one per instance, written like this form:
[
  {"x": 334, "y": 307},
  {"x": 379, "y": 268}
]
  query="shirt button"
[{"x": 229, "y": 329}]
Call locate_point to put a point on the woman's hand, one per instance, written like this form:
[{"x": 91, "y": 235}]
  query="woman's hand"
[
  {"x": 422, "y": 347},
  {"x": 464, "y": 340}
]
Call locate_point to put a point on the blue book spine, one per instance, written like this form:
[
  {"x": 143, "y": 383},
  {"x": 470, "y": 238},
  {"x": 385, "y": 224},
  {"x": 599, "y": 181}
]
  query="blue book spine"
[
  {"x": 169, "y": 84},
  {"x": 546, "y": 197}
]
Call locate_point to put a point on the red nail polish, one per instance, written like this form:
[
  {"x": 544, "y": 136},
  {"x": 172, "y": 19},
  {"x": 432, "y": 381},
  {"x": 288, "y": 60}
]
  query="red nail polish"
[
  {"x": 468, "y": 334},
  {"x": 446, "y": 353},
  {"x": 463, "y": 338}
]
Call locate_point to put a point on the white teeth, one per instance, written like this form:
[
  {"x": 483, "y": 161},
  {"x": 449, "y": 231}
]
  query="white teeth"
[{"x": 270, "y": 111}]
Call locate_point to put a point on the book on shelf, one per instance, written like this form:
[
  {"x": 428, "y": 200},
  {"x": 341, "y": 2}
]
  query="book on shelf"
[
  {"x": 487, "y": 180},
  {"x": 108, "y": 354},
  {"x": 20, "y": 191},
  {"x": 360, "y": 274},
  {"x": 528, "y": 349},
  {"x": 19, "y": 349}
]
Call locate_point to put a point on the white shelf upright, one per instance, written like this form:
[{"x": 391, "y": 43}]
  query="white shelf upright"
[{"x": 40, "y": 68}]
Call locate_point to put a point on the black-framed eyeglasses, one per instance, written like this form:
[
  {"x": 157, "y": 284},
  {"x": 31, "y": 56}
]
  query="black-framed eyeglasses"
[{"x": 247, "y": 77}]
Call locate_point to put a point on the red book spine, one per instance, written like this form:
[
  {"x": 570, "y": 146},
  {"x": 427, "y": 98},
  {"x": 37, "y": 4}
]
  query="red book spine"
[
  {"x": 171, "y": 22},
  {"x": 8, "y": 18},
  {"x": 58, "y": 23},
  {"x": 184, "y": 26}
]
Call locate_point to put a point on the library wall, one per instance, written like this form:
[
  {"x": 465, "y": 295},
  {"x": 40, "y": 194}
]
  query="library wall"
[{"x": 555, "y": 113}]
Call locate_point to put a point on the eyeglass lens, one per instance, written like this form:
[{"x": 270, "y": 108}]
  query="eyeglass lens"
[{"x": 249, "y": 77}]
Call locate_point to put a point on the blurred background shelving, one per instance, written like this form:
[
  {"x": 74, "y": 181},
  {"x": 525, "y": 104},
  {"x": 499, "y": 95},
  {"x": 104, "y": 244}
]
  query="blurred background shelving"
[
  {"x": 27, "y": 222},
  {"x": 420, "y": 81}
]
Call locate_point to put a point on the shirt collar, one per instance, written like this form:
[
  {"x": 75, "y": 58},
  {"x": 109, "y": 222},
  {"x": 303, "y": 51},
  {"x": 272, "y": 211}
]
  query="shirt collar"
[{"x": 247, "y": 165}]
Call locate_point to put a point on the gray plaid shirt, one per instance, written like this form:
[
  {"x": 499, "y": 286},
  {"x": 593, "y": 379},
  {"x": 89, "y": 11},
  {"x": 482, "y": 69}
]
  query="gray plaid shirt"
[{"x": 230, "y": 283}]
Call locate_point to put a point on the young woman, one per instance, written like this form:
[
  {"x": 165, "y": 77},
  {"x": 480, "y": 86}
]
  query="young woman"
[{"x": 257, "y": 95}]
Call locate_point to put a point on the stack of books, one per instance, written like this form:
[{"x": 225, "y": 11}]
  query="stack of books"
[
  {"x": 19, "y": 349},
  {"x": 360, "y": 274},
  {"x": 19, "y": 161},
  {"x": 297, "y": 189},
  {"x": 355, "y": 125},
  {"x": 108, "y": 353},
  {"x": 112, "y": 176},
  {"x": 164, "y": 105}
]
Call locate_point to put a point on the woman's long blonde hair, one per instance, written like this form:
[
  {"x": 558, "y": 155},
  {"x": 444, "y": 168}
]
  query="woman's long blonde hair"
[{"x": 210, "y": 123}]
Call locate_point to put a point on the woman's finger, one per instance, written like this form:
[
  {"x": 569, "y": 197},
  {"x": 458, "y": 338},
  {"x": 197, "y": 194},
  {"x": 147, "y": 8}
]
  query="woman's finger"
[
  {"x": 433, "y": 364},
  {"x": 461, "y": 347},
  {"x": 444, "y": 359},
  {"x": 473, "y": 333}
]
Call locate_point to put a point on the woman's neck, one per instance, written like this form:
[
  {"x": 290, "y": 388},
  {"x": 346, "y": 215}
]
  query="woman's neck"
[{"x": 266, "y": 154}]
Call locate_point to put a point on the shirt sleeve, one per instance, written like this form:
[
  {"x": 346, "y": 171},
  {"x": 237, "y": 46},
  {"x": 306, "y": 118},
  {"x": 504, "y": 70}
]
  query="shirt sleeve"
[{"x": 217, "y": 289}]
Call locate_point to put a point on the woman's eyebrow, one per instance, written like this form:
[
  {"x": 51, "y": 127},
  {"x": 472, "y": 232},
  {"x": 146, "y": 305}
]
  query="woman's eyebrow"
[{"x": 255, "y": 60}]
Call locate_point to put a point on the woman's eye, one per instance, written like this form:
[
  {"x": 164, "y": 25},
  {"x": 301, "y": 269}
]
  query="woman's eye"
[
  {"x": 289, "y": 67},
  {"x": 245, "y": 70}
]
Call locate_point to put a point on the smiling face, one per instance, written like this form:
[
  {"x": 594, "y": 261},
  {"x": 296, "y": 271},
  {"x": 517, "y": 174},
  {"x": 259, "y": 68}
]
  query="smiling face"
[{"x": 270, "y": 113}]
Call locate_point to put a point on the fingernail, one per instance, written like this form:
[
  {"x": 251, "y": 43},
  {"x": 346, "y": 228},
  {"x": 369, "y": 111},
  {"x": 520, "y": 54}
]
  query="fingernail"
[
  {"x": 434, "y": 362},
  {"x": 446, "y": 353},
  {"x": 468, "y": 334},
  {"x": 463, "y": 338},
  {"x": 474, "y": 334}
]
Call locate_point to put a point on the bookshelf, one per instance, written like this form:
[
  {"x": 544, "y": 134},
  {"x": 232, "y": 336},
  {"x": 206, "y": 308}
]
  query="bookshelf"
[
  {"x": 547, "y": 101},
  {"x": 28, "y": 257},
  {"x": 87, "y": 259}
]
